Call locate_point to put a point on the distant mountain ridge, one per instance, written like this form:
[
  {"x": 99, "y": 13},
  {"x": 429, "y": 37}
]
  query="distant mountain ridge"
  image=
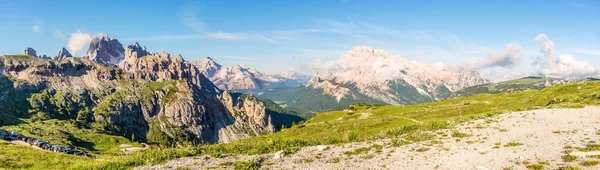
[
  {"x": 241, "y": 78},
  {"x": 522, "y": 84},
  {"x": 370, "y": 75}
]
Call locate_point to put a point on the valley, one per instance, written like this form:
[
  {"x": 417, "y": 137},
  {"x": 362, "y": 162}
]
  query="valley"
[
  {"x": 359, "y": 124},
  {"x": 299, "y": 85}
]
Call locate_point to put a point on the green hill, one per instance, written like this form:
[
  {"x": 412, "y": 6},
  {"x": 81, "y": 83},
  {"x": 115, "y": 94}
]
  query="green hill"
[{"x": 526, "y": 83}]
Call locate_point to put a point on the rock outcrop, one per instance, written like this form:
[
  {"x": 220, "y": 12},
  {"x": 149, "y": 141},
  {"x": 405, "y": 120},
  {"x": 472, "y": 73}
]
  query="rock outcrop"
[
  {"x": 135, "y": 51},
  {"x": 106, "y": 50},
  {"x": 62, "y": 54},
  {"x": 44, "y": 56},
  {"x": 156, "y": 96},
  {"x": 30, "y": 51}
]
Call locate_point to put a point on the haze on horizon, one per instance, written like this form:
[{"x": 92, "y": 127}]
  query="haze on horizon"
[{"x": 501, "y": 40}]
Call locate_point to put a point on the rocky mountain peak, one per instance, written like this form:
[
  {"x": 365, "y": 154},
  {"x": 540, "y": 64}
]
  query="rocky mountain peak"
[
  {"x": 30, "y": 51},
  {"x": 243, "y": 66},
  {"x": 135, "y": 51},
  {"x": 105, "y": 37},
  {"x": 106, "y": 50},
  {"x": 63, "y": 53},
  {"x": 364, "y": 51},
  {"x": 207, "y": 66},
  {"x": 329, "y": 87},
  {"x": 386, "y": 77}
]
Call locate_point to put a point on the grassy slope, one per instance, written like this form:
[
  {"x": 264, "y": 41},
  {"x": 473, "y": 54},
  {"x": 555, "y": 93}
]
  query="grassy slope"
[
  {"x": 308, "y": 100},
  {"x": 341, "y": 127},
  {"x": 526, "y": 83}
]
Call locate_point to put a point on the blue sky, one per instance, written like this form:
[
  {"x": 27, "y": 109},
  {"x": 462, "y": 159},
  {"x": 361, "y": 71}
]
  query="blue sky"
[{"x": 274, "y": 35}]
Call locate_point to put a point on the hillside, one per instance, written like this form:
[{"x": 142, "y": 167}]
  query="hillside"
[
  {"x": 526, "y": 83},
  {"x": 368, "y": 122}
]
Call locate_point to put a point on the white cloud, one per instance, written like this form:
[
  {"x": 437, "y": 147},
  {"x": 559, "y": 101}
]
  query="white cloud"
[
  {"x": 546, "y": 45},
  {"x": 79, "y": 40},
  {"x": 565, "y": 66},
  {"x": 322, "y": 67},
  {"x": 510, "y": 57}
]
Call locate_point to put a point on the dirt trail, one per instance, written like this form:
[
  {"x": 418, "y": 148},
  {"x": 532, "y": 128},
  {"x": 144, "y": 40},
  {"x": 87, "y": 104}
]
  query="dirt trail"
[
  {"x": 131, "y": 150},
  {"x": 512, "y": 140}
]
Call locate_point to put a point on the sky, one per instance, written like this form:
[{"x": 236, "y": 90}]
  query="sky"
[{"x": 497, "y": 38}]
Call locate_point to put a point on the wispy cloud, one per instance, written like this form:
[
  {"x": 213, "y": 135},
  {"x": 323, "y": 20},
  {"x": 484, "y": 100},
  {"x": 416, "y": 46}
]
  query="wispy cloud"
[
  {"x": 59, "y": 34},
  {"x": 578, "y": 5},
  {"x": 188, "y": 14},
  {"x": 588, "y": 52},
  {"x": 240, "y": 36},
  {"x": 37, "y": 26}
]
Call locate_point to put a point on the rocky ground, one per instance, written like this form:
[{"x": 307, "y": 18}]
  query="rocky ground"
[{"x": 545, "y": 139}]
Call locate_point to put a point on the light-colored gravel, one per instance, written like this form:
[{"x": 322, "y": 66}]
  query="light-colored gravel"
[{"x": 538, "y": 137}]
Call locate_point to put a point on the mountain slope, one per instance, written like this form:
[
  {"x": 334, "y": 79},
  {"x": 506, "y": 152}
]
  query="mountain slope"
[
  {"x": 526, "y": 83},
  {"x": 309, "y": 100},
  {"x": 370, "y": 75}
]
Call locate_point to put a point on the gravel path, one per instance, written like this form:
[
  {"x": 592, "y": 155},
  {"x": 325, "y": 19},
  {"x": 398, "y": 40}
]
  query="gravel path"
[
  {"x": 513, "y": 140},
  {"x": 128, "y": 149}
]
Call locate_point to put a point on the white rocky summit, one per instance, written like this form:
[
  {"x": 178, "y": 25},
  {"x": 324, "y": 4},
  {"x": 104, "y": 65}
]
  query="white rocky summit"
[
  {"x": 106, "y": 50},
  {"x": 243, "y": 78},
  {"x": 386, "y": 77}
]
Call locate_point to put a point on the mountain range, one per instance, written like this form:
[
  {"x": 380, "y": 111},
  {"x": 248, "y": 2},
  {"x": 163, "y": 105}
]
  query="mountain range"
[
  {"x": 241, "y": 78},
  {"x": 522, "y": 84},
  {"x": 157, "y": 97},
  {"x": 162, "y": 98},
  {"x": 370, "y": 75}
]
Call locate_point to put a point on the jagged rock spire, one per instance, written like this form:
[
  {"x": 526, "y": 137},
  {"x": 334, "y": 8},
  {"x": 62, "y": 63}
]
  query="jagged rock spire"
[{"x": 63, "y": 53}]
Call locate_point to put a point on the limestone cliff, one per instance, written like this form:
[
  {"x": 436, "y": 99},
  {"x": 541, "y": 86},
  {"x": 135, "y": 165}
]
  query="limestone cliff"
[{"x": 158, "y": 97}]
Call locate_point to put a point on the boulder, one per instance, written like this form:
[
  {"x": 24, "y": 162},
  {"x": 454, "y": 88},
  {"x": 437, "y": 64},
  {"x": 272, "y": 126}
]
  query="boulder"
[
  {"x": 279, "y": 155},
  {"x": 322, "y": 147}
]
